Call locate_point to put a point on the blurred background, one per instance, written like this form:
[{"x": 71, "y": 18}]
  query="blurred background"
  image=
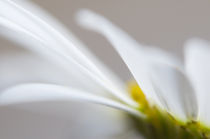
[{"x": 162, "y": 23}]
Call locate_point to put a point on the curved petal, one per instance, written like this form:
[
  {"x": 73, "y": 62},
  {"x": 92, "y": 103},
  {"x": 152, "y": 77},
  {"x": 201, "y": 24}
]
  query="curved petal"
[
  {"x": 48, "y": 92},
  {"x": 121, "y": 40},
  {"x": 18, "y": 66},
  {"x": 175, "y": 90},
  {"x": 136, "y": 57},
  {"x": 197, "y": 56},
  {"x": 17, "y": 17}
]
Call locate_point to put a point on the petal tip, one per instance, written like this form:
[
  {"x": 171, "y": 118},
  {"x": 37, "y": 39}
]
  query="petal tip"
[
  {"x": 88, "y": 19},
  {"x": 196, "y": 43}
]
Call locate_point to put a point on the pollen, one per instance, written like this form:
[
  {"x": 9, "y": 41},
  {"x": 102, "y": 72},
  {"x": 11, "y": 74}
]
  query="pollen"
[
  {"x": 159, "y": 124},
  {"x": 137, "y": 94}
]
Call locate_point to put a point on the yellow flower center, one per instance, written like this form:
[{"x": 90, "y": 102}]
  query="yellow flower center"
[
  {"x": 160, "y": 124},
  {"x": 137, "y": 94}
]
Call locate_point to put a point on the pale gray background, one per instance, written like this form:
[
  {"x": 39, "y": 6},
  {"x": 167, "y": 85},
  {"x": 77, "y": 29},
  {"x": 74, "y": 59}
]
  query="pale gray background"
[{"x": 163, "y": 23}]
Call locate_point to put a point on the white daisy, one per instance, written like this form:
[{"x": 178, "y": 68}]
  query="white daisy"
[{"x": 168, "y": 99}]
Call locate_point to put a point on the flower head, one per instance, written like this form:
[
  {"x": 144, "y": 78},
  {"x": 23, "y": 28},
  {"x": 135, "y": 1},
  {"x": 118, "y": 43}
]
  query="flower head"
[{"x": 168, "y": 99}]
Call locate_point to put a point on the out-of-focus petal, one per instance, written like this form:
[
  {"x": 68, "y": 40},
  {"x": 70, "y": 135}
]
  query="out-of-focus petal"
[
  {"x": 20, "y": 66},
  {"x": 136, "y": 56},
  {"x": 175, "y": 90},
  {"x": 36, "y": 92},
  {"x": 51, "y": 37},
  {"x": 197, "y": 60},
  {"x": 121, "y": 39}
]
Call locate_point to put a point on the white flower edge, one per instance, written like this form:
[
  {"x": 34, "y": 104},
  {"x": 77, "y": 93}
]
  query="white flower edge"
[
  {"x": 37, "y": 31},
  {"x": 149, "y": 67},
  {"x": 38, "y": 92},
  {"x": 40, "y": 35},
  {"x": 197, "y": 55}
]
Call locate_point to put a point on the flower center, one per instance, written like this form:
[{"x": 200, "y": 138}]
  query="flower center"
[
  {"x": 137, "y": 94},
  {"x": 160, "y": 124}
]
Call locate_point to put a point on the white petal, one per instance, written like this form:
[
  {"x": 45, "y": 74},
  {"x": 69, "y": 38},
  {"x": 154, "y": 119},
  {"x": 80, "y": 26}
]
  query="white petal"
[
  {"x": 175, "y": 91},
  {"x": 17, "y": 17},
  {"x": 127, "y": 49},
  {"x": 48, "y": 92},
  {"x": 121, "y": 40},
  {"x": 135, "y": 56},
  {"x": 197, "y": 58},
  {"x": 69, "y": 66},
  {"x": 158, "y": 55},
  {"x": 18, "y": 66}
]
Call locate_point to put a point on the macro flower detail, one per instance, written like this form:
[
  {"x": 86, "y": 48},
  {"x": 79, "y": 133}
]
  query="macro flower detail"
[{"x": 168, "y": 98}]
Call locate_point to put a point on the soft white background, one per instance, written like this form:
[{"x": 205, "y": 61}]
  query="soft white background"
[{"x": 163, "y": 23}]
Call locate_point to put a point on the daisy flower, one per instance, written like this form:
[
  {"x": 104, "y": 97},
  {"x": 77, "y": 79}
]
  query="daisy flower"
[{"x": 167, "y": 99}]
